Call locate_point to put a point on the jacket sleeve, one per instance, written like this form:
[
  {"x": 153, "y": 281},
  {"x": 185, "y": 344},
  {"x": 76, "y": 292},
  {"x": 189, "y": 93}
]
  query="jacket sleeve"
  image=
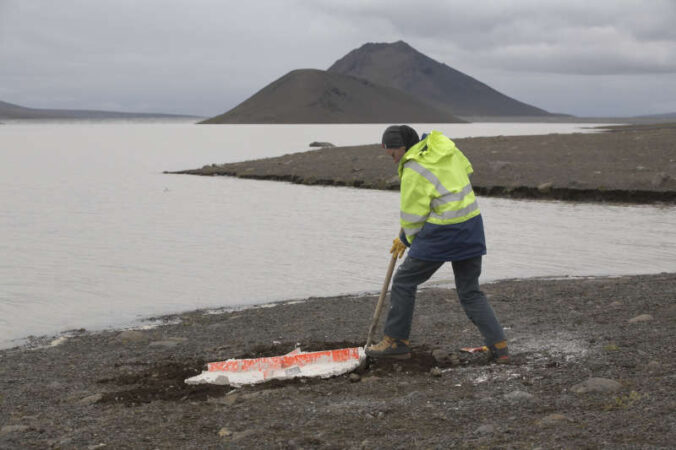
[
  {"x": 403, "y": 239},
  {"x": 465, "y": 162},
  {"x": 416, "y": 195}
]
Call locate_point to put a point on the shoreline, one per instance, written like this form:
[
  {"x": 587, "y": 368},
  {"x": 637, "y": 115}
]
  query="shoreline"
[
  {"x": 127, "y": 385},
  {"x": 49, "y": 340},
  {"x": 625, "y": 164}
]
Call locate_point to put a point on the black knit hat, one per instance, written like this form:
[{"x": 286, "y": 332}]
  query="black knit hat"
[{"x": 396, "y": 136}]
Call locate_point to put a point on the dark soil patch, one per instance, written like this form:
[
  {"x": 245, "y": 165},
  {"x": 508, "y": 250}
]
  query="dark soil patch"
[
  {"x": 161, "y": 381},
  {"x": 421, "y": 361},
  {"x": 165, "y": 380},
  {"x": 282, "y": 348}
]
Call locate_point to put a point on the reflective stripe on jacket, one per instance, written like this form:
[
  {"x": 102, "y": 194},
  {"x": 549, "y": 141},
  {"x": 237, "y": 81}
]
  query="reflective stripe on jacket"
[{"x": 440, "y": 215}]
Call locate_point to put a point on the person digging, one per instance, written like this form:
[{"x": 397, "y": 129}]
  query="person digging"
[{"x": 440, "y": 222}]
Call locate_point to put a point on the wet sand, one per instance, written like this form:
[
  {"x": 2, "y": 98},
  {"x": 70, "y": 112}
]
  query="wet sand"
[
  {"x": 124, "y": 389},
  {"x": 634, "y": 164}
]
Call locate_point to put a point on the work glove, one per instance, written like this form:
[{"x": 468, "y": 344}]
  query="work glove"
[{"x": 398, "y": 248}]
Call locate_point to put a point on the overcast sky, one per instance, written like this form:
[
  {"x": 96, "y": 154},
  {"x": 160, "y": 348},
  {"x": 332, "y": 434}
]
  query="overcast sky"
[{"x": 203, "y": 57}]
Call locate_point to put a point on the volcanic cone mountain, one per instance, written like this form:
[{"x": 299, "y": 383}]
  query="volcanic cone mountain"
[
  {"x": 317, "y": 96},
  {"x": 400, "y": 66}
]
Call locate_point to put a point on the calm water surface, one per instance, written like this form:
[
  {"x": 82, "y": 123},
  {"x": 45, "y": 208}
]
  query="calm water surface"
[{"x": 93, "y": 235}]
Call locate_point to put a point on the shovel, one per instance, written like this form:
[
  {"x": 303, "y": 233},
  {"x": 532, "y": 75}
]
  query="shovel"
[{"x": 379, "y": 305}]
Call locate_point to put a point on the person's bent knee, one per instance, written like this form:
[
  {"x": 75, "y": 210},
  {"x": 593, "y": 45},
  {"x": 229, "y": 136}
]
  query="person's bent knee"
[{"x": 471, "y": 296}]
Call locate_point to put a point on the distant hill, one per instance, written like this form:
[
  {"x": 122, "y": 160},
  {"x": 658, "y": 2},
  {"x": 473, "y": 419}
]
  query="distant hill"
[
  {"x": 317, "y": 96},
  {"x": 400, "y": 66},
  {"x": 10, "y": 111}
]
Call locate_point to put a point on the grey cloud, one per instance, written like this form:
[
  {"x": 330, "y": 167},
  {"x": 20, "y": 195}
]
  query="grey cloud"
[
  {"x": 583, "y": 95},
  {"x": 205, "y": 56},
  {"x": 601, "y": 37},
  {"x": 187, "y": 49}
]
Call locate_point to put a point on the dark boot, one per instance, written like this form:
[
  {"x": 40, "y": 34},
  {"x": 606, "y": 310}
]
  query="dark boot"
[
  {"x": 390, "y": 348},
  {"x": 499, "y": 352}
]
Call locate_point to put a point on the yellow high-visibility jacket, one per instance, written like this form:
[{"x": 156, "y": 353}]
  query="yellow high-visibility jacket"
[{"x": 440, "y": 215}]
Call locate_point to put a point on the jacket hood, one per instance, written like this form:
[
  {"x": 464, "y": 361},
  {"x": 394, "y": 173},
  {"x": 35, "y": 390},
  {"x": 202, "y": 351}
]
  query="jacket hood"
[{"x": 431, "y": 150}]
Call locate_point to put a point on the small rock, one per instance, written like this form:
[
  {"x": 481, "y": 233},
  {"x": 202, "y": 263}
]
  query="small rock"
[
  {"x": 660, "y": 179},
  {"x": 415, "y": 397},
  {"x": 90, "y": 399},
  {"x": 653, "y": 365},
  {"x": 13, "y": 429},
  {"x": 445, "y": 358},
  {"x": 518, "y": 396},
  {"x": 552, "y": 419},
  {"x": 65, "y": 442},
  {"x": 230, "y": 399},
  {"x": 545, "y": 187},
  {"x": 224, "y": 432},
  {"x": 370, "y": 379},
  {"x": 241, "y": 435},
  {"x": 439, "y": 355},
  {"x": 163, "y": 344},
  {"x": 596, "y": 385},
  {"x": 497, "y": 166},
  {"x": 354, "y": 377},
  {"x": 321, "y": 144},
  {"x": 641, "y": 318},
  {"x": 615, "y": 304},
  {"x": 641, "y": 168},
  {"x": 485, "y": 429},
  {"x": 435, "y": 372},
  {"x": 131, "y": 336},
  {"x": 249, "y": 395},
  {"x": 30, "y": 418},
  {"x": 221, "y": 380}
]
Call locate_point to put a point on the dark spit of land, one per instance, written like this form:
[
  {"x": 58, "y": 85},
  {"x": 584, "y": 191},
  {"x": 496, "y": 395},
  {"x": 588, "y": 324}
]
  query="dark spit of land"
[
  {"x": 634, "y": 163},
  {"x": 10, "y": 111},
  {"x": 593, "y": 367}
]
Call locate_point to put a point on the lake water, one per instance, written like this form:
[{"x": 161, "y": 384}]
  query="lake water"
[{"x": 93, "y": 235}]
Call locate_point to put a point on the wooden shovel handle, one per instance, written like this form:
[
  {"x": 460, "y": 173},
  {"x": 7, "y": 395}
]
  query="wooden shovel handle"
[{"x": 379, "y": 305}]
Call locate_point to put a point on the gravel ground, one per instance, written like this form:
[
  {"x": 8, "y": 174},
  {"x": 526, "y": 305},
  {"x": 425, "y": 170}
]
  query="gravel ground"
[
  {"x": 593, "y": 367},
  {"x": 635, "y": 164}
]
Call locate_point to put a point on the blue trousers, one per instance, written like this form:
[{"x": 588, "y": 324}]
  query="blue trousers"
[{"x": 413, "y": 272}]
